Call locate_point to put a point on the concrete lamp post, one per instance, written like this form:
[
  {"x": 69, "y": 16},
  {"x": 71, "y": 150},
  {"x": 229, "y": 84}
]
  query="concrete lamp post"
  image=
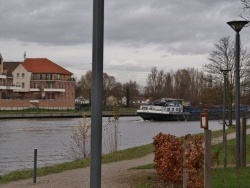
[
  {"x": 224, "y": 72},
  {"x": 237, "y": 26}
]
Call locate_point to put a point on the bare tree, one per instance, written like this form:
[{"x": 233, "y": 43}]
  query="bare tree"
[
  {"x": 109, "y": 83},
  {"x": 246, "y": 8},
  {"x": 131, "y": 90},
  {"x": 117, "y": 91},
  {"x": 223, "y": 57},
  {"x": 85, "y": 83},
  {"x": 169, "y": 85},
  {"x": 83, "y": 86},
  {"x": 188, "y": 84},
  {"x": 155, "y": 83},
  {"x": 183, "y": 84}
]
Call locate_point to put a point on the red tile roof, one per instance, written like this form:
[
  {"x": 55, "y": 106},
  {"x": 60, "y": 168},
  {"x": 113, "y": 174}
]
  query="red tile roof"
[{"x": 43, "y": 65}]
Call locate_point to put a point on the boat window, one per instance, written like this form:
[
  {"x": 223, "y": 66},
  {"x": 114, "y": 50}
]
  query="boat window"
[
  {"x": 168, "y": 109},
  {"x": 172, "y": 109},
  {"x": 177, "y": 109}
]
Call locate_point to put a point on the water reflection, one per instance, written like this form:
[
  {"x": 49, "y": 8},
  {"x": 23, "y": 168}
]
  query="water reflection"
[{"x": 19, "y": 137}]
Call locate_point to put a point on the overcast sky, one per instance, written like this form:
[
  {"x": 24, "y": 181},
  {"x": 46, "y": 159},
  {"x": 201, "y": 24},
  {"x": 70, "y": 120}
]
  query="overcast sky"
[{"x": 139, "y": 34}]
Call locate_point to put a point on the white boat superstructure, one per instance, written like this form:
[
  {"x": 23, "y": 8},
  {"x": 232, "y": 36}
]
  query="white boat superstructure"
[{"x": 164, "y": 109}]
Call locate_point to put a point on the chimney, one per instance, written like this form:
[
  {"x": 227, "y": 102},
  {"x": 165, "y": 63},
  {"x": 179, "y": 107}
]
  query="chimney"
[
  {"x": 24, "y": 56},
  {"x": 1, "y": 64}
]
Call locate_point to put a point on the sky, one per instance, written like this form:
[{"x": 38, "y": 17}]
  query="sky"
[{"x": 138, "y": 34}]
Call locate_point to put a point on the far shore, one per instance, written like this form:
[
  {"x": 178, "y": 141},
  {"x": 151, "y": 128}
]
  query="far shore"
[{"x": 60, "y": 114}]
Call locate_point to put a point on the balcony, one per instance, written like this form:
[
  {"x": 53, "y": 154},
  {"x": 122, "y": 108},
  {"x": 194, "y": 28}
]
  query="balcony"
[
  {"x": 15, "y": 87},
  {"x": 54, "y": 90},
  {"x": 10, "y": 87},
  {"x": 34, "y": 89},
  {"x": 3, "y": 76}
]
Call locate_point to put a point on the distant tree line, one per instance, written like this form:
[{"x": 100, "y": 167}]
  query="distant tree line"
[
  {"x": 199, "y": 87},
  {"x": 110, "y": 88}
]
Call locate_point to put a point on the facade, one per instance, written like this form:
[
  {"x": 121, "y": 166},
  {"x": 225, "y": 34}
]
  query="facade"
[{"x": 38, "y": 83}]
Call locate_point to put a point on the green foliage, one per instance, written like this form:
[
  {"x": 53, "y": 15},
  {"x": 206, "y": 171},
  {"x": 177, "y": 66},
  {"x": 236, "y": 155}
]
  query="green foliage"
[{"x": 230, "y": 177}]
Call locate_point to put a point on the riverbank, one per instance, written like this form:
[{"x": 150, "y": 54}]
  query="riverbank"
[
  {"x": 77, "y": 114},
  {"x": 59, "y": 114},
  {"x": 116, "y": 174}
]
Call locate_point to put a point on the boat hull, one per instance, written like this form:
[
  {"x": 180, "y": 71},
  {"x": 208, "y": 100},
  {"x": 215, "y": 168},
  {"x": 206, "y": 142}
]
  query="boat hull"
[{"x": 163, "y": 116}]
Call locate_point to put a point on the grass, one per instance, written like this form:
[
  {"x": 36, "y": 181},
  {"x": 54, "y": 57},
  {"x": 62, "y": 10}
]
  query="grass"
[
  {"x": 126, "y": 154},
  {"x": 231, "y": 129},
  {"x": 221, "y": 178},
  {"x": 231, "y": 151},
  {"x": 231, "y": 177}
]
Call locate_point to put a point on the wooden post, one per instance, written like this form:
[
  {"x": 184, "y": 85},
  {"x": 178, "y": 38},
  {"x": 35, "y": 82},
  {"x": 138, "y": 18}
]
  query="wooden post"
[
  {"x": 207, "y": 154},
  {"x": 185, "y": 171},
  {"x": 35, "y": 165},
  {"x": 207, "y": 158}
]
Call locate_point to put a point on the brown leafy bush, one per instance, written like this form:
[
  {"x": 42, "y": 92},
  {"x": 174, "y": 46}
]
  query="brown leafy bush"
[{"x": 169, "y": 155}]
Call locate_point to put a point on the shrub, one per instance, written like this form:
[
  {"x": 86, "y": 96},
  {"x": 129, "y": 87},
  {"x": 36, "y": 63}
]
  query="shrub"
[{"x": 170, "y": 156}]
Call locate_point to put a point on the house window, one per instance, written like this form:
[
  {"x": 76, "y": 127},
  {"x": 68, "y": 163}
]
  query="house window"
[
  {"x": 23, "y": 75},
  {"x": 17, "y": 75},
  {"x": 23, "y": 85},
  {"x": 48, "y": 77},
  {"x": 50, "y": 85},
  {"x": 38, "y": 76}
]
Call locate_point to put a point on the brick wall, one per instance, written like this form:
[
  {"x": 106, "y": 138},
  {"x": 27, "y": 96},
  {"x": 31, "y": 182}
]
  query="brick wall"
[{"x": 15, "y": 104}]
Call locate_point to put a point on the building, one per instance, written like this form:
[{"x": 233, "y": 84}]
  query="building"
[{"x": 35, "y": 83}]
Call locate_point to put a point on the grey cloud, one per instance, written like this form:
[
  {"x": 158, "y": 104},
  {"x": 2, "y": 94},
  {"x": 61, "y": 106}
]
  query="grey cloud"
[{"x": 173, "y": 25}]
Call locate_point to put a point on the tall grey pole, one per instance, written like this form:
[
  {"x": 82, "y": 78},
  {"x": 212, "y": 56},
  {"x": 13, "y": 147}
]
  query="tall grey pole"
[
  {"x": 237, "y": 26},
  {"x": 224, "y": 117},
  {"x": 237, "y": 97},
  {"x": 97, "y": 94}
]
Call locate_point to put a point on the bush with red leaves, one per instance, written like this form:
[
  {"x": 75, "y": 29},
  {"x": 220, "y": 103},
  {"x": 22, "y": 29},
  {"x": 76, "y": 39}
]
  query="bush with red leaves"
[{"x": 169, "y": 154}]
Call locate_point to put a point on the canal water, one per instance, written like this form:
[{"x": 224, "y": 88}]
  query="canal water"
[{"x": 19, "y": 138}]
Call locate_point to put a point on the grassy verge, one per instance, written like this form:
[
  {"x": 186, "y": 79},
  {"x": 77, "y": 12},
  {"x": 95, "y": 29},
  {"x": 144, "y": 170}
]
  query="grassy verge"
[
  {"x": 221, "y": 178},
  {"x": 231, "y": 151},
  {"x": 231, "y": 177},
  {"x": 126, "y": 154},
  {"x": 230, "y": 129}
]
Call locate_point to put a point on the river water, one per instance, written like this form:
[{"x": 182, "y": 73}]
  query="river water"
[{"x": 19, "y": 138}]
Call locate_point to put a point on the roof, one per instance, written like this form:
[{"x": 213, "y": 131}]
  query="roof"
[
  {"x": 43, "y": 65},
  {"x": 10, "y": 66}
]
